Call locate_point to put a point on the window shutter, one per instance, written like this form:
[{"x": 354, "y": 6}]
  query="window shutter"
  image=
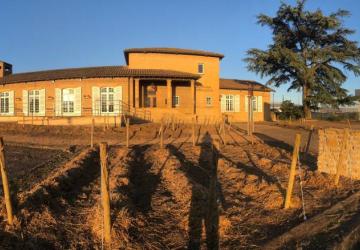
[
  {"x": 237, "y": 103},
  {"x": 25, "y": 97},
  {"x": 77, "y": 104},
  {"x": 223, "y": 104},
  {"x": 117, "y": 100},
  {"x": 42, "y": 102},
  {"x": 259, "y": 104},
  {"x": 11, "y": 103},
  {"x": 95, "y": 97},
  {"x": 58, "y": 102},
  {"x": 246, "y": 103}
]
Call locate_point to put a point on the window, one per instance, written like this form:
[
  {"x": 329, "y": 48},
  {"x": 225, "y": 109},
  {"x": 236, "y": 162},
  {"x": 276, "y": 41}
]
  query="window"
[
  {"x": 176, "y": 101},
  {"x": 107, "y": 100},
  {"x": 229, "y": 102},
  {"x": 68, "y": 100},
  {"x": 208, "y": 101},
  {"x": 254, "y": 103},
  {"x": 4, "y": 103},
  {"x": 34, "y": 101},
  {"x": 201, "y": 68}
]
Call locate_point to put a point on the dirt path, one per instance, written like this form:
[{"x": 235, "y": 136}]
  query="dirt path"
[
  {"x": 283, "y": 137},
  {"x": 157, "y": 223}
]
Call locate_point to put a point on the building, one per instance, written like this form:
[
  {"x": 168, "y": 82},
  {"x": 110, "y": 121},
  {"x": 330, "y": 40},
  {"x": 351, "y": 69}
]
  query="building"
[{"x": 155, "y": 83}]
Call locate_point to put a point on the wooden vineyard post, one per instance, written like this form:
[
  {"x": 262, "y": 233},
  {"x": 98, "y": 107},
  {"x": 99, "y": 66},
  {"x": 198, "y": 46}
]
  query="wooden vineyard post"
[
  {"x": 92, "y": 132},
  {"x": 348, "y": 122},
  {"x": 5, "y": 183},
  {"x": 161, "y": 132},
  {"x": 309, "y": 139},
  {"x": 342, "y": 155},
  {"x": 223, "y": 131},
  {"x": 294, "y": 162},
  {"x": 127, "y": 131},
  {"x": 173, "y": 124},
  {"x": 105, "y": 196},
  {"x": 193, "y": 132}
]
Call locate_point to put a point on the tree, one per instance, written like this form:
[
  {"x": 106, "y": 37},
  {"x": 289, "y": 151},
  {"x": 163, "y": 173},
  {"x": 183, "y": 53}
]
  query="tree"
[
  {"x": 290, "y": 111},
  {"x": 311, "y": 51}
]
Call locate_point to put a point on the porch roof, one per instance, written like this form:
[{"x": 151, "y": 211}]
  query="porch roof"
[{"x": 94, "y": 72}]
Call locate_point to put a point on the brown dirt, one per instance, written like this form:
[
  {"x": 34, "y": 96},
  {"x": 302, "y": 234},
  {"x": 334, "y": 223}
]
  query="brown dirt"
[{"x": 171, "y": 198}]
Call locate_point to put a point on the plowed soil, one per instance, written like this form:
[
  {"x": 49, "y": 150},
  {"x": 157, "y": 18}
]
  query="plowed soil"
[{"x": 208, "y": 196}]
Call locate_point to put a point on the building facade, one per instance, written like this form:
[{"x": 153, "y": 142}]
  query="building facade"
[{"x": 155, "y": 83}]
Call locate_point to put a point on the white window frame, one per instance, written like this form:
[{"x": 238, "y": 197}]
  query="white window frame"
[
  {"x": 34, "y": 102},
  {"x": 107, "y": 100},
  {"x": 68, "y": 101},
  {"x": 202, "y": 65},
  {"x": 208, "y": 101},
  {"x": 229, "y": 103},
  {"x": 176, "y": 101},
  {"x": 254, "y": 104},
  {"x": 5, "y": 101}
]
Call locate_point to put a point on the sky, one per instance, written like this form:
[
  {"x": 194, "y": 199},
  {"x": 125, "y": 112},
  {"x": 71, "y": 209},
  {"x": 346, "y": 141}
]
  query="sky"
[{"x": 50, "y": 34}]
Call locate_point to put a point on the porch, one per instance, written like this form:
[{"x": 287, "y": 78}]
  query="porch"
[{"x": 161, "y": 96}]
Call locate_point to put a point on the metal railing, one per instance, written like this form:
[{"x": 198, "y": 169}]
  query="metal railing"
[{"x": 113, "y": 109}]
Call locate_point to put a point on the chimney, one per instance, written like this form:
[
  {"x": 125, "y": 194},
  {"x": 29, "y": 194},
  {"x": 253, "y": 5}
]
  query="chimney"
[{"x": 5, "y": 69}]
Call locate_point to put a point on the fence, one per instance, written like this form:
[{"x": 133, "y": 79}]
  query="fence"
[{"x": 116, "y": 108}]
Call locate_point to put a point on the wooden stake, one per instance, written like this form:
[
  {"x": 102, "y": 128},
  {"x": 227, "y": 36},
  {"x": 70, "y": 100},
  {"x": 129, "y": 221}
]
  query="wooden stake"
[
  {"x": 224, "y": 132},
  {"x": 161, "y": 132},
  {"x": 193, "y": 133},
  {"x": 294, "y": 161},
  {"x": 92, "y": 132},
  {"x": 5, "y": 183},
  {"x": 127, "y": 132},
  {"x": 342, "y": 155},
  {"x": 309, "y": 139},
  {"x": 349, "y": 124},
  {"x": 105, "y": 193}
]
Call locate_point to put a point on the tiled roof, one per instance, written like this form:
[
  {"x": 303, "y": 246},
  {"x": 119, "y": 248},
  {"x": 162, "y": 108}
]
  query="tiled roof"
[
  {"x": 171, "y": 51},
  {"x": 242, "y": 85},
  {"x": 94, "y": 72}
]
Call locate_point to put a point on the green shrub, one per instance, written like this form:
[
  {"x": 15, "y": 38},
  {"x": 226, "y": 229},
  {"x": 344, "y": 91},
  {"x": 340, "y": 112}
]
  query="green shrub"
[{"x": 290, "y": 111}]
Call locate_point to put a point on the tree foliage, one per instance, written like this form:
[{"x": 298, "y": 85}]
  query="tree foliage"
[
  {"x": 311, "y": 51},
  {"x": 290, "y": 111}
]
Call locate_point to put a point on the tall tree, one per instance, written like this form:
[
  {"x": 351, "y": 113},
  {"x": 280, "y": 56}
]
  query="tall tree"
[{"x": 311, "y": 51}]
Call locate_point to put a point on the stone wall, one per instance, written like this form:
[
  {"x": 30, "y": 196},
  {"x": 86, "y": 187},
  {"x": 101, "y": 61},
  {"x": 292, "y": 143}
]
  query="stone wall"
[{"x": 330, "y": 144}]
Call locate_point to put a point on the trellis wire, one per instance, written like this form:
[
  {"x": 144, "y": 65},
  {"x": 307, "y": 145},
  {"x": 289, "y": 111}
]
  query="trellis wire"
[{"x": 301, "y": 188}]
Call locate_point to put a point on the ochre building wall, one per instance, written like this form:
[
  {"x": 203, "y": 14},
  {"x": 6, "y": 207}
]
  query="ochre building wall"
[{"x": 207, "y": 85}]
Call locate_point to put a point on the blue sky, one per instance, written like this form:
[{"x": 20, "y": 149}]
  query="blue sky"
[{"x": 48, "y": 34}]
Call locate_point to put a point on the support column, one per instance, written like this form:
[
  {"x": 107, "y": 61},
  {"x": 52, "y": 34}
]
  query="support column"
[
  {"x": 193, "y": 97},
  {"x": 137, "y": 93},
  {"x": 143, "y": 96},
  {"x": 169, "y": 93},
  {"x": 131, "y": 92}
]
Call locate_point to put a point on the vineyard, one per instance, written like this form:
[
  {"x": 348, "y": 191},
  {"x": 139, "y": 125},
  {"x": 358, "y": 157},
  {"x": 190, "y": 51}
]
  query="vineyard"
[{"x": 188, "y": 187}]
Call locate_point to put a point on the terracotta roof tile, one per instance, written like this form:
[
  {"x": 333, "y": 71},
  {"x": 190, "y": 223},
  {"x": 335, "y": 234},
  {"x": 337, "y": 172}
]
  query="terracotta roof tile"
[
  {"x": 94, "y": 72},
  {"x": 242, "y": 85}
]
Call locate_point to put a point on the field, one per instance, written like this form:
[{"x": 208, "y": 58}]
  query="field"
[{"x": 173, "y": 197}]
